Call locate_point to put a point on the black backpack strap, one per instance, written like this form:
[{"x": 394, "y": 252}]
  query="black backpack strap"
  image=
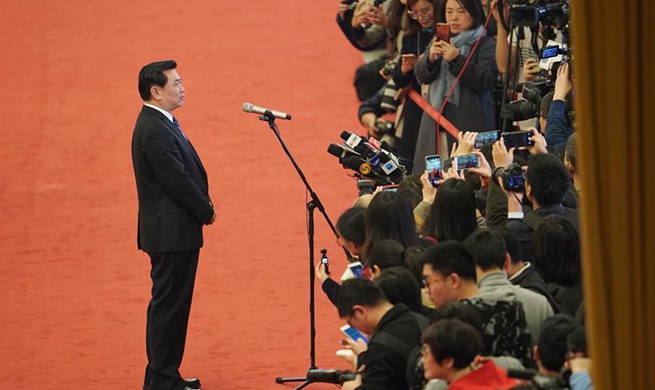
[
  {"x": 394, "y": 343},
  {"x": 533, "y": 220}
]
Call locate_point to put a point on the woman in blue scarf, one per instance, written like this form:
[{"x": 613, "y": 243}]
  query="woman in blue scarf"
[{"x": 469, "y": 106}]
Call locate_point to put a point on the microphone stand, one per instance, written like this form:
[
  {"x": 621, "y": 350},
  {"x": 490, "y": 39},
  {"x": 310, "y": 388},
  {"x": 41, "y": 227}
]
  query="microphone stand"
[{"x": 314, "y": 203}]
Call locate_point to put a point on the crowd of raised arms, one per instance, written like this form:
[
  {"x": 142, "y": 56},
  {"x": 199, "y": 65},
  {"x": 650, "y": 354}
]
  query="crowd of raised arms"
[{"x": 467, "y": 271}]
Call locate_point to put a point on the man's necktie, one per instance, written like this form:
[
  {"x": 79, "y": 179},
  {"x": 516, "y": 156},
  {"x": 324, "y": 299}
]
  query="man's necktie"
[{"x": 177, "y": 126}]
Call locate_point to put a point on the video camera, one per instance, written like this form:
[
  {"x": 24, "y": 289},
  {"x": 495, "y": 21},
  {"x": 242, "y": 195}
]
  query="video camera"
[
  {"x": 368, "y": 158},
  {"x": 542, "y": 17}
]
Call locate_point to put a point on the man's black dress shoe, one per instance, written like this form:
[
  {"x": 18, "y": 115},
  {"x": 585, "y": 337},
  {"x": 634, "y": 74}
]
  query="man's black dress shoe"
[{"x": 187, "y": 384}]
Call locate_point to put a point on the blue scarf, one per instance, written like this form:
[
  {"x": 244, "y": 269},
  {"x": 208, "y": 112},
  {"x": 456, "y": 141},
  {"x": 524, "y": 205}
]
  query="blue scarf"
[{"x": 441, "y": 85}]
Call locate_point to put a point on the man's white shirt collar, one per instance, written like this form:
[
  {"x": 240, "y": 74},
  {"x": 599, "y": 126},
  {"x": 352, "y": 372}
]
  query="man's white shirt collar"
[{"x": 168, "y": 114}]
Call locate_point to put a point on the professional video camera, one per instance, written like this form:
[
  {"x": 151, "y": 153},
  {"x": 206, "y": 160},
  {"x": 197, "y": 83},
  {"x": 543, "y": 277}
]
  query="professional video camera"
[
  {"x": 542, "y": 17},
  {"x": 553, "y": 13},
  {"x": 530, "y": 105},
  {"x": 539, "y": 381},
  {"x": 368, "y": 158}
]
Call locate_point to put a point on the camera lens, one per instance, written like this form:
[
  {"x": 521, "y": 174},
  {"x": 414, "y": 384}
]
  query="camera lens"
[{"x": 522, "y": 109}]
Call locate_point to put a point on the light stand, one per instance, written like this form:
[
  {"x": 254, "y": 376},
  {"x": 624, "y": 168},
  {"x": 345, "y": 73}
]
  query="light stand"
[{"x": 314, "y": 203}]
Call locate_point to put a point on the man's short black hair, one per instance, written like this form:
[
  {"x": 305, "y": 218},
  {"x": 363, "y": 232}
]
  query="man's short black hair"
[
  {"x": 358, "y": 291},
  {"x": 488, "y": 248},
  {"x": 548, "y": 178},
  {"x": 513, "y": 244},
  {"x": 450, "y": 257},
  {"x": 570, "y": 153},
  {"x": 464, "y": 312},
  {"x": 552, "y": 341},
  {"x": 452, "y": 338},
  {"x": 153, "y": 74}
]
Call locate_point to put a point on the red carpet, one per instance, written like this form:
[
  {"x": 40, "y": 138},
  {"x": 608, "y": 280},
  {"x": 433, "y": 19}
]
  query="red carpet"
[{"x": 74, "y": 286}]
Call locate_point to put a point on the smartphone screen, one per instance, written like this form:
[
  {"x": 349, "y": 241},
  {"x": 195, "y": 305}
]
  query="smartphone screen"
[
  {"x": 487, "y": 136},
  {"x": 357, "y": 269},
  {"x": 515, "y": 182},
  {"x": 466, "y": 161},
  {"x": 516, "y": 139},
  {"x": 353, "y": 333},
  {"x": 443, "y": 32},
  {"x": 433, "y": 166},
  {"x": 549, "y": 52}
]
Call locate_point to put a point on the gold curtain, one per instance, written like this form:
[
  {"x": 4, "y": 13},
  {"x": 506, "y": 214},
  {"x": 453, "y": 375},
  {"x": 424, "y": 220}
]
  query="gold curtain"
[{"x": 614, "y": 67}]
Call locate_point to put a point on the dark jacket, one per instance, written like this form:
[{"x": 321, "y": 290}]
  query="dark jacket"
[
  {"x": 568, "y": 296},
  {"x": 497, "y": 216},
  {"x": 171, "y": 184},
  {"x": 529, "y": 279},
  {"x": 385, "y": 369},
  {"x": 412, "y": 44},
  {"x": 558, "y": 128},
  {"x": 475, "y": 111}
]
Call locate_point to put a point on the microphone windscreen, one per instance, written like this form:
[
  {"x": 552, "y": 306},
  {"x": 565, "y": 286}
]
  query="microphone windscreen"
[
  {"x": 335, "y": 150},
  {"x": 246, "y": 107},
  {"x": 352, "y": 162},
  {"x": 345, "y": 135}
]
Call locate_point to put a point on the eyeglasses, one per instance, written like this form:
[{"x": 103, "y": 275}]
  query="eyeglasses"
[
  {"x": 427, "y": 283},
  {"x": 425, "y": 12}
]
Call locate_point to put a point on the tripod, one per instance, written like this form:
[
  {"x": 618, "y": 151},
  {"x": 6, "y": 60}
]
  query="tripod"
[{"x": 313, "y": 204}]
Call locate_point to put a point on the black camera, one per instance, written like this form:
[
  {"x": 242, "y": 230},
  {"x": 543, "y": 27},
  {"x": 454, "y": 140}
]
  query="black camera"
[
  {"x": 547, "y": 12},
  {"x": 338, "y": 377},
  {"x": 511, "y": 176},
  {"x": 385, "y": 127},
  {"x": 365, "y": 187},
  {"x": 388, "y": 68},
  {"x": 530, "y": 106}
]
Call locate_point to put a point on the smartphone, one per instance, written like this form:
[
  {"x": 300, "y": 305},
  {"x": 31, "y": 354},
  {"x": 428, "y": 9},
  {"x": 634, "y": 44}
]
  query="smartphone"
[
  {"x": 357, "y": 269},
  {"x": 466, "y": 161},
  {"x": 516, "y": 139},
  {"x": 433, "y": 166},
  {"x": 487, "y": 136},
  {"x": 443, "y": 32},
  {"x": 353, "y": 333}
]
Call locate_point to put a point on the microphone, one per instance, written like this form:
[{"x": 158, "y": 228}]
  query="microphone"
[
  {"x": 364, "y": 169},
  {"x": 251, "y": 108},
  {"x": 353, "y": 140},
  {"x": 340, "y": 152}
]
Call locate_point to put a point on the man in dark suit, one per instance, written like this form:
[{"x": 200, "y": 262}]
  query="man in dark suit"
[{"x": 174, "y": 204}]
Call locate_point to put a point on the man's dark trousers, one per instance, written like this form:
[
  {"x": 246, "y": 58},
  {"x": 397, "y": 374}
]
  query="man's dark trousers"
[{"x": 173, "y": 277}]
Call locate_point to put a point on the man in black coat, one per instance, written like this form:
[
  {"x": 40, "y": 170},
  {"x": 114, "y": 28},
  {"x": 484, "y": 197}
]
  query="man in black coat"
[
  {"x": 174, "y": 204},
  {"x": 394, "y": 333}
]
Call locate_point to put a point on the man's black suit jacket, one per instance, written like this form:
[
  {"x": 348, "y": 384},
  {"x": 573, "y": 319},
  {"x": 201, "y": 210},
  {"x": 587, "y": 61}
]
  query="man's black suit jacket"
[{"x": 172, "y": 186}]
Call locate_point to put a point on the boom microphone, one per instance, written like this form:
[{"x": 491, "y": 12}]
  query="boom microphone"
[{"x": 251, "y": 108}]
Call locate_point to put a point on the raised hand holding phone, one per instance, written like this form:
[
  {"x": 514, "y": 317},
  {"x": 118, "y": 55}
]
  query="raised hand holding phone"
[
  {"x": 353, "y": 333},
  {"x": 530, "y": 69}
]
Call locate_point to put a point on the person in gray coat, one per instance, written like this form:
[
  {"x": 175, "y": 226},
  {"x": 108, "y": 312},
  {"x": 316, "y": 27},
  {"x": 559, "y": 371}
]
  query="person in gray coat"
[
  {"x": 469, "y": 107},
  {"x": 490, "y": 255}
]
